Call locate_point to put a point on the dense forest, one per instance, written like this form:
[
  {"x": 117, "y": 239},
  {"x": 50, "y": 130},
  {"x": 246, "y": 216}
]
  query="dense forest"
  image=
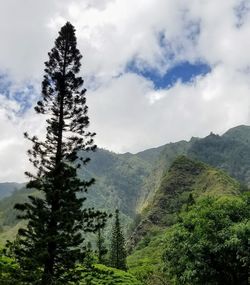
[{"x": 174, "y": 214}]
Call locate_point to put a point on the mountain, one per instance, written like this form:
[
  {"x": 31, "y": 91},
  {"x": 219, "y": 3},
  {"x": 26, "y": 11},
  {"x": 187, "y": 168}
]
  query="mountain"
[
  {"x": 164, "y": 157},
  {"x": 230, "y": 152},
  {"x": 185, "y": 180},
  {"x": 129, "y": 181},
  {"x": 119, "y": 179},
  {"x": 151, "y": 188},
  {"x": 6, "y": 189},
  {"x": 181, "y": 185},
  {"x": 119, "y": 183},
  {"x": 240, "y": 133}
]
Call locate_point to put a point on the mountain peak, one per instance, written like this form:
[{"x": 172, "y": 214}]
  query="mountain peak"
[{"x": 241, "y": 132}]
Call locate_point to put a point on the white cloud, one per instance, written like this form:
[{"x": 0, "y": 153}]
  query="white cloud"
[
  {"x": 13, "y": 146},
  {"x": 126, "y": 110},
  {"x": 126, "y": 121}
]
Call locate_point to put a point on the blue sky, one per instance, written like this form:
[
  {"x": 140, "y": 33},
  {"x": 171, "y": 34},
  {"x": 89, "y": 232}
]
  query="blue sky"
[
  {"x": 184, "y": 72},
  {"x": 23, "y": 94}
]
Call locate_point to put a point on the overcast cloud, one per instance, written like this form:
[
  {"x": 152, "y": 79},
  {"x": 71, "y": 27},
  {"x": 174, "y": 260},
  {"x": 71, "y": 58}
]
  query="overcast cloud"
[{"x": 128, "y": 112}]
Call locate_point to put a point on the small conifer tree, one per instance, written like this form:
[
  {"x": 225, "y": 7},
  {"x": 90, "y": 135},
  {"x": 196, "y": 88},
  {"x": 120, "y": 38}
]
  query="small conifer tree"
[
  {"x": 101, "y": 248},
  {"x": 117, "y": 250},
  {"x": 51, "y": 244}
]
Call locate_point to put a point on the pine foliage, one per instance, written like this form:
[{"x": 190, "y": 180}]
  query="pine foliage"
[
  {"x": 51, "y": 245},
  {"x": 101, "y": 248},
  {"x": 117, "y": 250}
]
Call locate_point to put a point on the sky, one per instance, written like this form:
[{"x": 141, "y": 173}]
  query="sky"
[{"x": 157, "y": 71}]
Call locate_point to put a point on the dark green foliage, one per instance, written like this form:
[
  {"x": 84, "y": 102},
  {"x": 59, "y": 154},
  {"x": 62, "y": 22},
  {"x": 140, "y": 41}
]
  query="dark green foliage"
[
  {"x": 190, "y": 201},
  {"x": 117, "y": 248},
  {"x": 89, "y": 258},
  {"x": 101, "y": 247},
  {"x": 94, "y": 275},
  {"x": 145, "y": 263},
  {"x": 8, "y": 270},
  {"x": 103, "y": 275},
  {"x": 51, "y": 244},
  {"x": 210, "y": 243}
]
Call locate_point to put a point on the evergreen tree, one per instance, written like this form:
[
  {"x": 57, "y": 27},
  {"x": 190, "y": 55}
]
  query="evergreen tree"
[
  {"x": 51, "y": 244},
  {"x": 190, "y": 201},
  {"x": 89, "y": 257},
  {"x": 101, "y": 248},
  {"x": 117, "y": 250}
]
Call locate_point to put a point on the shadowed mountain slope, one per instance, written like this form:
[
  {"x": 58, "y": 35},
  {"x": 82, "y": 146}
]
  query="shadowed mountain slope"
[{"x": 186, "y": 180}]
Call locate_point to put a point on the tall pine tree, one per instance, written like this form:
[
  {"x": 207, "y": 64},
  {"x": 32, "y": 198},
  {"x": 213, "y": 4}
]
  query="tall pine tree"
[
  {"x": 117, "y": 249},
  {"x": 51, "y": 244}
]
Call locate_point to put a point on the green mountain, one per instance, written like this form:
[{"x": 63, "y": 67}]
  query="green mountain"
[
  {"x": 240, "y": 133},
  {"x": 184, "y": 182},
  {"x": 150, "y": 189},
  {"x": 6, "y": 189},
  {"x": 163, "y": 158},
  {"x": 129, "y": 181},
  {"x": 119, "y": 179},
  {"x": 229, "y": 152},
  {"x": 119, "y": 183}
]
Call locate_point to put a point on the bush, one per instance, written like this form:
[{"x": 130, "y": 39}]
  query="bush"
[{"x": 210, "y": 243}]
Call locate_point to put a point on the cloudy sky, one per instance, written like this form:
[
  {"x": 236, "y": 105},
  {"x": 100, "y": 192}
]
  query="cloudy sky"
[{"x": 156, "y": 71}]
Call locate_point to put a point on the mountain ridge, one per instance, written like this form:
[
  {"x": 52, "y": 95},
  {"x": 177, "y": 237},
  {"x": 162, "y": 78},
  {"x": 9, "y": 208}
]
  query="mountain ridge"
[
  {"x": 129, "y": 181},
  {"x": 182, "y": 183}
]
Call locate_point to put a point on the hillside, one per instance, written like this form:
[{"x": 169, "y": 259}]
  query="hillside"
[
  {"x": 229, "y": 152},
  {"x": 119, "y": 179},
  {"x": 165, "y": 157},
  {"x": 151, "y": 187},
  {"x": 185, "y": 182},
  {"x": 129, "y": 181},
  {"x": 119, "y": 182},
  {"x": 6, "y": 189}
]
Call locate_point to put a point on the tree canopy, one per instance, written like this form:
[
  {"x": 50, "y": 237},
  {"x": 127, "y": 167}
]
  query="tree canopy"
[{"x": 210, "y": 243}]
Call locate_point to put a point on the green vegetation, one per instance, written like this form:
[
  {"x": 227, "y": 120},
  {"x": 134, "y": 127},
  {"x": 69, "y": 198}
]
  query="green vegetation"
[
  {"x": 103, "y": 275},
  {"x": 146, "y": 261},
  {"x": 117, "y": 248},
  {"x": 186, "y": 182},
  {"x": 228, "y": 152},
  {"x": 129, "y": 182},
  {"x": 101, "y": 248},
  {"x": 210, "y": 243},
  {"x": 163, "y": 158},
  {"x": 161, "y": 188},
  {"x": 95, "y": 275},
  {"x": 6, "y": 189},
  {"x": 8, "y": 270},
  {"x": 119, "y": 182},
  {"x": 185, "y": 177}
]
